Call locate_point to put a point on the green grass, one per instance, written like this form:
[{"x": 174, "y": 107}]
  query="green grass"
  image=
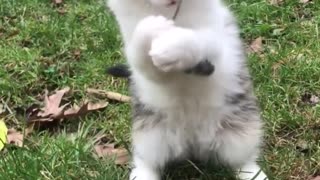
[{"x": 37, "y": 52}]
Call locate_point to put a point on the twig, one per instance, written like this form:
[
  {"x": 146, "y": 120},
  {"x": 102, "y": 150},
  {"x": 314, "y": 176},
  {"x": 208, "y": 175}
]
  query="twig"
[
  {"x": 195, "y": 166},
  {"x": 110, "y": 95}
]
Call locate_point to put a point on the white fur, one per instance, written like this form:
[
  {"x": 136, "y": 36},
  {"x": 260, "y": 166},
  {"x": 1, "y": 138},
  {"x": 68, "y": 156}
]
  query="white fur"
[
  {"x": 176, "y": 49},
  {"x": 157, "y": 50}
]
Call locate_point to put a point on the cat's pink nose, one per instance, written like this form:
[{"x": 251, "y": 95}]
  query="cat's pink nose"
[{"x": 172, "y": 2}]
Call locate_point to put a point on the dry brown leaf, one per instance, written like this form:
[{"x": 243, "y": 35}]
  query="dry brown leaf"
[
  {"x": 314, "y": 178},
  {"x": 62, "y": 11},
  {"x": 314, "y": 99},
  {"x": 13, "y": 33},
  {"x": 276, "y": 66},
  {"x": 52, "y": 113},
  {"x": 121, "y": 155},
  {"x": 302, "y": 146},
  {"x": 52, "y": 108},
  {"x": 310, "y": 99},
  {"x": 256, "y": 46},
  {"x": 29, "y": 129},
  {"x": 275, "y": 2},
  {"x": 57, "y": 1},
  {"x": 15, "y": 137},
  {"x": 110, "y": 95},
  {"x": 77, "y": 54},
  {"x": 77, "y": 111},
  {"x": 304, "y": 1}
]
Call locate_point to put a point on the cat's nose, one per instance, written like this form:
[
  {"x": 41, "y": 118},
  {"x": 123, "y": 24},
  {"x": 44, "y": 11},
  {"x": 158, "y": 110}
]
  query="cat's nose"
[{"x": 173, "y": 2}]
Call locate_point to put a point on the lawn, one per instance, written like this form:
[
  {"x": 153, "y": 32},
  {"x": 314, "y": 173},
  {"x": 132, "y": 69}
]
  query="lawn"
[{"x": 44, "y": 46}]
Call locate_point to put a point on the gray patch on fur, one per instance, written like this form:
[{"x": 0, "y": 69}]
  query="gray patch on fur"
[
  {"x": 244, "y": 105},
  {"x": 235, "y": 98},
  {"x": 237, "y": 119},
  {"x": 142, "y": 115}
]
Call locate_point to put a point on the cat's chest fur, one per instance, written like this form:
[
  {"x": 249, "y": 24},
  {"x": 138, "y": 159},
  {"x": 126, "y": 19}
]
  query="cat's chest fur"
[
  {"x": 193, "y": 126},
  {"x": 193, "y": 118},
  {"x": 191, "y": 115}
]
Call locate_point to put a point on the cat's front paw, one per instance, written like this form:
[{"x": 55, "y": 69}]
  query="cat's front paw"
[
  {"x": 151, "y": 26},
  {"x": 176, "y": 50}
]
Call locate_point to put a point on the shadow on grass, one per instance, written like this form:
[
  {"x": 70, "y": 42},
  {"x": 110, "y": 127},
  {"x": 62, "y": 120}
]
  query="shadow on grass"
[{"x": 189, "y": 170}]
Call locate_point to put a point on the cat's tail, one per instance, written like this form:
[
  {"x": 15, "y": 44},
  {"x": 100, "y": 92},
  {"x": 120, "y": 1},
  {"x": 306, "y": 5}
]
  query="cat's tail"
[{"x": 119, "y": 70}]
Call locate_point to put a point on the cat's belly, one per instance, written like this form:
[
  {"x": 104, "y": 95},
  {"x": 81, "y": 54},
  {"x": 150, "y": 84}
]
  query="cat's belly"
[{"x": 195, "y": 129}]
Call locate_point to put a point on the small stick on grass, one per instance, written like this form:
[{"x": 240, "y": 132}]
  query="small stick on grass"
[{"x": 110, "y": 95}]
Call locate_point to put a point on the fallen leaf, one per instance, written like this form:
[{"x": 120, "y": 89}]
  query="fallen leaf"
[
  {"x": 13, "y": 33},
  {"x": 302, "y": 146},
  {"x": 277, "y": 32},
  {"x": 3, "y": 133},
  {"x": 32, "y": 112},
  {"x": 256, "y": 46},
  {"x": 52, "y": 113},
  {"x": 77, "y": 54},
  {"x": 47, "y": 117},
  {"x": 57, "y": 2},
  {"x": 52, "y": 108},
  {"x": 76, "y": 111},
  {"x": 110, "y": 95},
  {"x": 314, "y": 99},
  {"x": 29, "y": 129},
  {"x": 101, "y": 138},
  {"x": 275, "y": 2},
  {"x": 62, "y": 11},
  {"x": 121, "y": 155},
  {"x": 304, "y": 1},
  {"x": 15, "y": 137},
  {"x": 310, "y": 99},
  {"x": 314, "y": 178}
]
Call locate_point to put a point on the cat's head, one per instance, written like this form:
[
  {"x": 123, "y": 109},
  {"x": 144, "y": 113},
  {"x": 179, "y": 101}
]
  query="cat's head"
[{"x": 166, "y": 3}]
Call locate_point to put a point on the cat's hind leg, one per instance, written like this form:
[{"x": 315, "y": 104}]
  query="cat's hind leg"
[
  {"x": 239, "y": 147},
  {"x": 251, "y": 171},
  {"x": 153, "y": 147},
  {"x": 149, "y": 154},
  {"x": 143, "y": 170}
]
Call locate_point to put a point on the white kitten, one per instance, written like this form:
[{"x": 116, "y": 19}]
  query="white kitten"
[{"x": 177, "y": 115}]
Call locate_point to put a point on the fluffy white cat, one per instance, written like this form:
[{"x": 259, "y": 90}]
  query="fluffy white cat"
[{"x": 179, "y": 115}]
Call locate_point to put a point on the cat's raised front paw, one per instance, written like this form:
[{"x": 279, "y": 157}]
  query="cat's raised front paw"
[
  {"x": 151, "y": 26},
  {"x": 176, "y": 50}
]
